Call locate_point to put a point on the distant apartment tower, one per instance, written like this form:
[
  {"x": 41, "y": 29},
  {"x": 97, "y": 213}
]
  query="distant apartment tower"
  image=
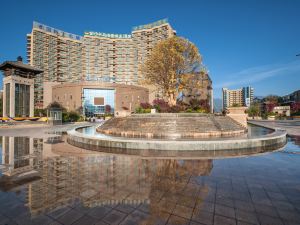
[
  {"x": 238, "y": 97},
  {"x": 96, "y": 56}
]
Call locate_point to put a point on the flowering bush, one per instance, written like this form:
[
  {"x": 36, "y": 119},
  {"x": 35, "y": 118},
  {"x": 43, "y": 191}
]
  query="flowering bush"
[
  {"x": 295, "y": 107},
  {"x": 161, "y": 105},
  {"x": 145, "y": 105},
  {"x": 270, "y": 106}
]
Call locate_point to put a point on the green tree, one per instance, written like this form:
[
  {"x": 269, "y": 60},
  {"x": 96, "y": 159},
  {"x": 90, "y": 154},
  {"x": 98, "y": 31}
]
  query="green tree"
[
  {"x": 253, "y": 110},
  {"x": 169, "y": 60}
]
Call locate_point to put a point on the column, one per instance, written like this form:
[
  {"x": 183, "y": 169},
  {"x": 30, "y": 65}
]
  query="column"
[
  {"x": 31, "y": 103},
  {"x": 12, "y": 99},
  {"x": 31, "y": 151},
  {"x": 4, "y": 100}
]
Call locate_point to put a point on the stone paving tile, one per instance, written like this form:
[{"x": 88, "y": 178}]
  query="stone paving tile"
[
  {"x": 246, "y": 216},
  {"x": 5, "y": 220},
  {"x": 138, "y": 215},
  {"x": 101, "y": 223},
  {"x": 144, "y": 208},
  {"x": 283, "y": 205},
  {"x": 225, "y": 201},
  {"x": 124, "y": 208},
  {"x": 277, "y": 196},
  {"x": 16, "y": 210},
  {"x": 59, "y": 212},
  {"x": 85, "y": 220},
  {"x": 225, "y": 211},
  {"x": 205, "y": 206},
  {"x": 289, "y": 215},
  {"x": 99, "y": 212},
  {"x": 187, "y": 201},
  {"x": 40, "y": 219},
  {"x": 243, "y": 223},
  {"x": 114, "y": 217},
  {"x": 176, "y": 220},
  {"x": 221, "y": 220},
  {"x": 183, "y": 211},
  {"x": 70, "y": 217},
  {"x": 268, "y": 220},
  {"x": 266, "y": 210},
  {"x": 203, "y": 217},
  {"x": 244, "y": 205}
]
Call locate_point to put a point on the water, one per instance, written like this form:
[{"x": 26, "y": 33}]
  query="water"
[
  {"x": 253, "y": 131},
  {"x": 47, "y": 181}
]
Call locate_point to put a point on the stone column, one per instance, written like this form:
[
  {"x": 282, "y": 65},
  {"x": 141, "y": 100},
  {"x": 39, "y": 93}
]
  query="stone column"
[
  {"x": 31, "y": 103},
  {"x": 31, "y": 151},
  {"x": 12, "y": 99},
  {"x": 4, "y": 100}
]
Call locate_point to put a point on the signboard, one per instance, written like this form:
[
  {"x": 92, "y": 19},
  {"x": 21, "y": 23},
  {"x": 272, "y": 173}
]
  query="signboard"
[
  {"x": 56, "y": 31},
  {"x": 107, "y": 35},
  {"x": 247, "y": 102}
]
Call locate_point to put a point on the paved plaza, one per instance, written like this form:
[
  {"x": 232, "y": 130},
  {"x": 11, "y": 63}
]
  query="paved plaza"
[{"x": 291, "y": 126}]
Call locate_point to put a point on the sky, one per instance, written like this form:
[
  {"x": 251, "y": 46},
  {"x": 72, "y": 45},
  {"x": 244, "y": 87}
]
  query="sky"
[{"x": 249, "y": 42}]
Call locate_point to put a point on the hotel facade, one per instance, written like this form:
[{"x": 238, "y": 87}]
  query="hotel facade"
[
  {"x": 238, "y": 97},
  {"x": 94, "y": 57}
]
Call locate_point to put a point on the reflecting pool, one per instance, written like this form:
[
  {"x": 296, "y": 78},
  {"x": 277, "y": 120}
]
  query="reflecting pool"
[{"x": 47, "y": 181}]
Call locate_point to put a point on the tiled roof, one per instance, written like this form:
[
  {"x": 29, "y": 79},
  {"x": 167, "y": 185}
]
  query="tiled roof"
[{"x": 20, "y": 65}]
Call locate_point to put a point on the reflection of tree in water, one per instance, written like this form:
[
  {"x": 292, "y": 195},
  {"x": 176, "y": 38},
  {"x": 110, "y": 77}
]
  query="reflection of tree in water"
[{"x": 173, "y": 188}]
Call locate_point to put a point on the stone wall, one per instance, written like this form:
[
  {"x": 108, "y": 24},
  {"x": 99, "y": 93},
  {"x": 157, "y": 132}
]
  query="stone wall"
[{"x": 238, "y": 114}]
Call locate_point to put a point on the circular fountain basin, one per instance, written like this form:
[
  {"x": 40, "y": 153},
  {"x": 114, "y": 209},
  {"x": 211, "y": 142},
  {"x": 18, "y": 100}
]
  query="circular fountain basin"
[
  {"x": 179, "y": 145},
  {"x": 172, "y": 126}
]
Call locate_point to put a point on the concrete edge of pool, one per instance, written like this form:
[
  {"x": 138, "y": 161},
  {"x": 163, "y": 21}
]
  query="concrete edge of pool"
[{"x": 272, "y": 141}]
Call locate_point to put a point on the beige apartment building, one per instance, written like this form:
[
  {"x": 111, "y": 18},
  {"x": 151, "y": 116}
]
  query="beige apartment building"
[
  {"x": 238, "y": 97},
  {"x": 96, "y": 56}
]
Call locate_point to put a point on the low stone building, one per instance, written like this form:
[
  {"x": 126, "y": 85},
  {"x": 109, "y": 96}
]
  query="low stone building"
[
  {"x": 282, "y": 110},
  {"x": 96, "y": 98}
]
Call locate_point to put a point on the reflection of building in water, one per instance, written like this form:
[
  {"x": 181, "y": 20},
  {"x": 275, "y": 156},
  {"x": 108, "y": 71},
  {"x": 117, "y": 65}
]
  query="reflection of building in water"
[
  {"x": 21, "y": 154},
  {"x": 110, "y": 180},
  {"x": 103, "y": 179}
]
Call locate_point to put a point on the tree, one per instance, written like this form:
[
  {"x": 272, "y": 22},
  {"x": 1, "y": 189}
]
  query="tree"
[
  {"x": 253, "y": 110},
  {"x": 170, "y": 59},
  {"x": 295, "y": 107}
]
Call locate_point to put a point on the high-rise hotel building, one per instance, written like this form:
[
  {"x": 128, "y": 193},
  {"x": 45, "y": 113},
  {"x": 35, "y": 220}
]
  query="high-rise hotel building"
[
  {"x": 95, "y": 56},
  {"x": 238, "y": 97}
]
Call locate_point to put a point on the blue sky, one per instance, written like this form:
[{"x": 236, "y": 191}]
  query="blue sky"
[{"x": 242, "y": 42}]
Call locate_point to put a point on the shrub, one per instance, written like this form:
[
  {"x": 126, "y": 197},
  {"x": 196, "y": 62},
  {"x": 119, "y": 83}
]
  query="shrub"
[
  {"x": 145, "y": 105},
  {"x": 176, "y": 109},
  {"x": 74, "y": 116},
  {"x": 71, "y": 116},
  {"x": 147, "y": 110},
  {"x": 189, "y": 110},
  {"x": 40, "y": 112},
  {"x": 161, "y": 105}
]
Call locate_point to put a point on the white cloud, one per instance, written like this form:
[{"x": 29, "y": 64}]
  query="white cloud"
[{"x": 255, "y": 74}]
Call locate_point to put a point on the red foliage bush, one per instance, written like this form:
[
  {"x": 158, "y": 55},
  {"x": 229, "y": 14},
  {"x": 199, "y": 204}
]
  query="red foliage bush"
[
  {"x": 146, "y": 105},
  {"x": 161, "y": 105}
]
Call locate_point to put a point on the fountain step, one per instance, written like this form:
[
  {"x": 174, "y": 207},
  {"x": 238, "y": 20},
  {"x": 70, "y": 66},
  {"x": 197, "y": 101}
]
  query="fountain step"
[{"x": 172, "y": 126}]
